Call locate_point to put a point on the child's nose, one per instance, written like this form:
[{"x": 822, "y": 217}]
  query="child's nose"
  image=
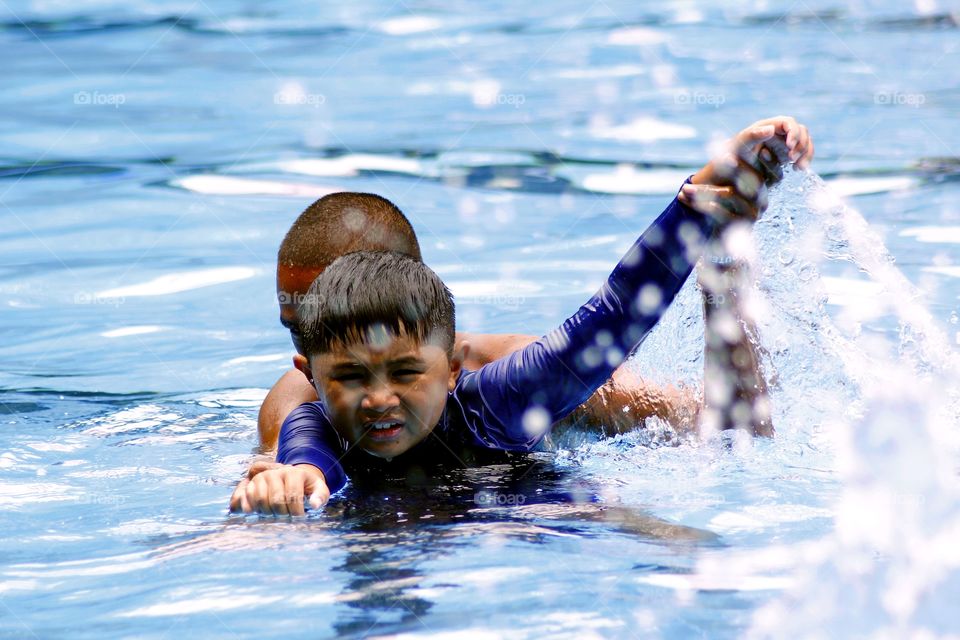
[{"x": 381, "y": 397}]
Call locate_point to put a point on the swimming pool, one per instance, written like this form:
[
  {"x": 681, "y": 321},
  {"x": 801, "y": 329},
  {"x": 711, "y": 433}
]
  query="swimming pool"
[{"x": 154, "y": 155}]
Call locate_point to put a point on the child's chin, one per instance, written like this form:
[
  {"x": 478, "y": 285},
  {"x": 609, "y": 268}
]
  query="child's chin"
[{"x": 386, "y": 450}]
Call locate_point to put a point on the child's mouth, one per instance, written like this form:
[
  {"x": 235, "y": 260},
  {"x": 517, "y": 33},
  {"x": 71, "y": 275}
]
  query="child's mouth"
[{"x": 383, "y": 430}]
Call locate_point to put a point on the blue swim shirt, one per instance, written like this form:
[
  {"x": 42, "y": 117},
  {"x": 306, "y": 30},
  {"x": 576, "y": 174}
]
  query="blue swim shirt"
[{"x": 508, "y": 404}]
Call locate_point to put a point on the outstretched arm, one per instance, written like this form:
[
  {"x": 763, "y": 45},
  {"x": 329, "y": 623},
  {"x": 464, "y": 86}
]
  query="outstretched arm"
[{"x": 510, "y": 403}]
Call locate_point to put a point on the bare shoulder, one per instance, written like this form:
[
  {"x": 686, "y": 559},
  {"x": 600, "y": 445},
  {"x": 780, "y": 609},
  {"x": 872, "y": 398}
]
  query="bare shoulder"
[
  {"x": 487, "y": 347},
  {"x": 288, "y": 393}
]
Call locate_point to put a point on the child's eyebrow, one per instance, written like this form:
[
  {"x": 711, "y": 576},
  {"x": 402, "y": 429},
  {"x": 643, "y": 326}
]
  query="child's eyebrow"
[
  {"x": 347, "y": 364},
  {"x": 407, "y": 360}
]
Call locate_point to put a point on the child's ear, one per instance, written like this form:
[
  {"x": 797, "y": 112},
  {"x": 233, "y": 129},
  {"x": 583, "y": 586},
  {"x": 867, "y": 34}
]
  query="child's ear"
[
  {"x": 303, "y": 366},
  {"x": 456, "y": 364}
]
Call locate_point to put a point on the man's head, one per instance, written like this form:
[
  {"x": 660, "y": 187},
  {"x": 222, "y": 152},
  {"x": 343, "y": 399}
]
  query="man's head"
[
  {"x": 333, "y": 226},
  {"x": 378, "y": 345}
]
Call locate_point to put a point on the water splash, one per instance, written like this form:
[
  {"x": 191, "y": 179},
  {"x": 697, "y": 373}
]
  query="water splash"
[{"x": 876, "y": 384}]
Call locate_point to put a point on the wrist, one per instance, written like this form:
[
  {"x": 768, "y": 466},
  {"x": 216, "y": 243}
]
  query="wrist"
[{"x": 306, "y": 466}]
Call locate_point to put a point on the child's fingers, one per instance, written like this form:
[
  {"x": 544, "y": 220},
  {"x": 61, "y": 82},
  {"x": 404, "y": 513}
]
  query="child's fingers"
[
  {"x": 791, "y": 128},
  {"x": 294, "y": 493},
  {"x": 781, "y": 124},
  {"x": 260, "y": 466},
  {"x": 277, "y": 492},
  {"x": 808, "y": 158},
  {"x": 236, "y": 500},
  {"x": 245, "y": 505},
  {"x": 721, "y": 203},
  {"x": 736, "y": 206},
  {"x": 746, "y": 143},
  {"x": 770, "y": 168},
  {"x": 318, "y": 491},
  {"x": 804, "y": 149},
  {"x": 262, "y": 494},
  {"x": 751, "y": 136},
  {"x": 777, "y": 144},
  {"x": 258, "y": 495},
  {"x": 790, "y": 131},
  {"x": 255, "y": 496},
  {"x": 748, "y": 175}
]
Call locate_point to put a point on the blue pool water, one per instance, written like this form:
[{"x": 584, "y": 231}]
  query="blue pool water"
[{"x": 152, "y": 155}]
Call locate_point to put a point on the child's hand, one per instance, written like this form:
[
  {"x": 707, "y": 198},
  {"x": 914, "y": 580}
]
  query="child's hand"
[
  {"x": 792, "y": 141},
  {"x": 279, "y": 489},
  {"x": 734, "y": 185},
  {"x": 258, "y": 466}
]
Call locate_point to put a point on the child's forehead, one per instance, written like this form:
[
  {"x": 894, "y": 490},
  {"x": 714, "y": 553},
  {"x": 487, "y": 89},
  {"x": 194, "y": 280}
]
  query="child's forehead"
[{"x": 379, "y": 342}]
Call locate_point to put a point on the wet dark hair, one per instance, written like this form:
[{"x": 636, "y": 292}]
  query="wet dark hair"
[
  {"x": 363, "y": 291},
  {"x": 344, "y": 222}
]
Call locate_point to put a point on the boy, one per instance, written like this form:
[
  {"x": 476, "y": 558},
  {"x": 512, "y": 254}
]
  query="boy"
[
  {"x": 346, "y": 222},
  {"x": 378, "y": 346}
]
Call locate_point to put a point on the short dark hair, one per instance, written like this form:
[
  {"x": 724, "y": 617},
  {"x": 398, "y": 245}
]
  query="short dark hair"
[
  {"x": 344, "y": 222},
  {"x": 365, "y": 289}
]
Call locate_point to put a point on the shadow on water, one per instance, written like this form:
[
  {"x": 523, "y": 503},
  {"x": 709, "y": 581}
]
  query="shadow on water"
[
  {"x": 391, "y": 531},
  {"x": 393, "y": 528}
]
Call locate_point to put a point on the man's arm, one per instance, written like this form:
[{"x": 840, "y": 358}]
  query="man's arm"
[
  {"x": 626, "y": 400},
  {"x": 487, "y": 347},
  {"x": 289, "y": 392}
]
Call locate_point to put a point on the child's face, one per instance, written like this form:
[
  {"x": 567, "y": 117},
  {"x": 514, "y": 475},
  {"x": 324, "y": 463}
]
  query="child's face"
[{"x": 385, "y": 395}]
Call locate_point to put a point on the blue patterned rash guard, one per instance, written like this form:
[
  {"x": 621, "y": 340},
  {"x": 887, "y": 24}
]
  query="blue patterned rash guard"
[{"x": 508, "y": 405}]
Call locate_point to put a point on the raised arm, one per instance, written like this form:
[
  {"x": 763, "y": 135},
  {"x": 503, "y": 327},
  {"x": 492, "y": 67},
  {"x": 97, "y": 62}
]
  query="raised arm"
[{"x": 511, "y": 403}]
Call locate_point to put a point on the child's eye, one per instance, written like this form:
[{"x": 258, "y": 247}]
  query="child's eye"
[
  {"x": 405, "y": 373},
  {"x": 348, "y": 377}
]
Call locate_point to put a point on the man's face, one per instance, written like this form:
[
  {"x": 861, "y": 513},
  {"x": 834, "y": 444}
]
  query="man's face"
[
  {"x": 293, "y": 283},
  {"x": 387, "y": 394}
]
